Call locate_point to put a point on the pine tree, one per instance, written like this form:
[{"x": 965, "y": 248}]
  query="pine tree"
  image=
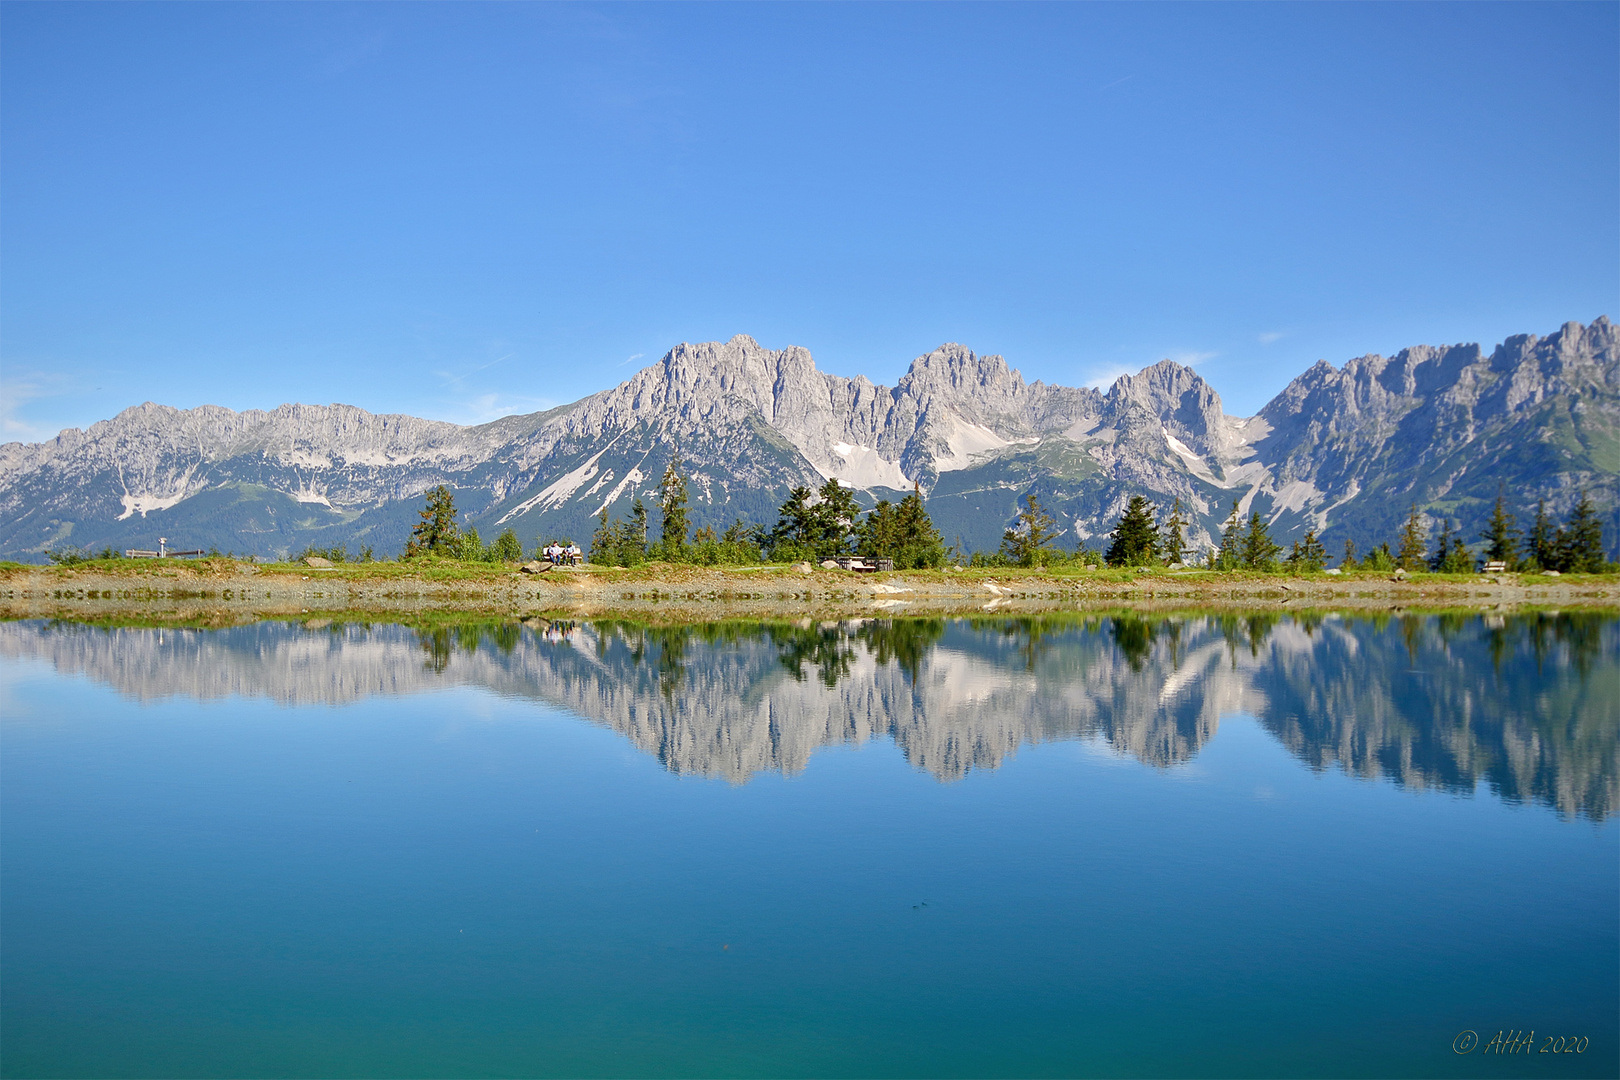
[
  {"x": 1442, "y": 547},
  {"x": 1135, "y": 537},
  {"x": 638, "y": 522},
  {"x": 1259, "y": 551},
  {"x": 1458, "y": 560},
  {"x": 436, "y": 533},
  {"x": 1307, "y": 554},
  {"x": 1501, "y": 535},
  {"x": 1583, "y": 539},
  {"x": 904, "y": 533},
  {"x": 1413, "y": 543},
  {"x": 1230, "y": 556},
  {"x": 1172, "y": 539},
  {"x": 605, "y": 540},
  {"x": 1028, "y": 542},
  {"x": 795, "y": 521},
  {"x": 1348, "y": 562},
  {"x": 833, "y": 518},
  {"x": 672, "y": 501},
  {"x": 1543, "y": 540}
]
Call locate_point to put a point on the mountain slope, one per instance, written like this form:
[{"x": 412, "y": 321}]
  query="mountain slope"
[{"x": 1346, "y": 450}]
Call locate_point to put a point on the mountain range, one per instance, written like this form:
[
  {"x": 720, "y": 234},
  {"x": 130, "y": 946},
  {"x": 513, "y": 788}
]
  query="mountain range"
[{"x": 1344, "y": 450}]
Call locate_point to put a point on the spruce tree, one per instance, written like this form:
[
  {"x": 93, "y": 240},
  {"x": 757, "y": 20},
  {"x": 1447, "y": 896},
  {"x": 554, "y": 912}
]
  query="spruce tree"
[
  {"x": 795, "y": 521},
  {"x": 638, "y": 522},
  {"x": 1583, "y": 539},
  {"x": 1457, "y": 560},
  {"x": 1135, "y": 537},
  {"x": 1442, "y": 547},
  {"x": 672, "y": 501},
  {"x": 1259, "y": 551},
  {"x": 1307, "y": 554},
  {"x": 1413, "y": 543},
  {"x": 1543, "y": 540},
  {"x": 1028, "y": 542},
  {"x": 833, "y": 518},
  {"x": 436, "y": 533},
  {"x": 1501, "y": 534},
  {"x": 920, "y": 544},
  {"x": 1230, "y": 556},
  {"x": 1172, "y": 538},
  {"x": 1348, "y": 562}
]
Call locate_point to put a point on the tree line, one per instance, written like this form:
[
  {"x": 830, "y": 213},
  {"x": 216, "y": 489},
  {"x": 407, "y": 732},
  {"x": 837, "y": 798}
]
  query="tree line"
[
  {"x": 811, "y": 525},
  {"x": 1246, "y": 544},
  {"x": 827, "y": 523}
]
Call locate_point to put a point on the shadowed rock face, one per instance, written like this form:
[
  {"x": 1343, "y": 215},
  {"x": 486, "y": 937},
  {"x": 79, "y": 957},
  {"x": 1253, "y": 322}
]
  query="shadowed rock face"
[
  {"x": 1525, "y": 704},
  {"x": 1344, "y": 450}
]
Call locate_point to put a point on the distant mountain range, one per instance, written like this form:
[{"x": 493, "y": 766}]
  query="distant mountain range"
[{"x": 1346, "y": 450}]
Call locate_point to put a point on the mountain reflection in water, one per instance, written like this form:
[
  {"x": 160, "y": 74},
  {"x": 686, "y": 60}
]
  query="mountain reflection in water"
[{"x": 1528, "y": 703}]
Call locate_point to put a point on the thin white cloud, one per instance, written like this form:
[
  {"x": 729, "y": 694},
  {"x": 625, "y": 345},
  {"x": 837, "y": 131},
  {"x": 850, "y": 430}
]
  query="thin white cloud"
[
  {"x": 454, "y": 379},
  {"x": 15, "y": 394},
  {"x": 1103, "y": 378},
  {"x": 1190, "y": 357},
  {"x": 628, "y": 359},
  {"x": 1271, "y": 335},
  {"x": 1116, "y": 82},
  {"x": 482, "y": 408}
]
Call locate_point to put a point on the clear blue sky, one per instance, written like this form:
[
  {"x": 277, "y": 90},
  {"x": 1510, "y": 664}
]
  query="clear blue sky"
[{"x": 457, "y": 210}]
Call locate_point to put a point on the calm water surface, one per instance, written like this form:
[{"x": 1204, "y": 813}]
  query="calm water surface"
[{"x": 1118, "y": 847}]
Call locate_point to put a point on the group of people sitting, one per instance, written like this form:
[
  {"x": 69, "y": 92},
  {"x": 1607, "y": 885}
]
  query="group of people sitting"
[{"x": 559, "y": 555}]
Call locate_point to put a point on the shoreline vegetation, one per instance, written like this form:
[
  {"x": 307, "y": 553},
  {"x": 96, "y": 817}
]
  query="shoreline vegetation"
[
  {"x": 792, "y": 570},
  {"x": 224, "y": 591}
]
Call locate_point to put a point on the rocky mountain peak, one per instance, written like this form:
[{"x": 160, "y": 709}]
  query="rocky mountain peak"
[{"x": 1175, "y": 398}]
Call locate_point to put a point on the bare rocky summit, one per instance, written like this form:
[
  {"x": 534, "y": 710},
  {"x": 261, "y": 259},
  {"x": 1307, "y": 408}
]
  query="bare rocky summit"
[{"x": 1345, "y": 450}]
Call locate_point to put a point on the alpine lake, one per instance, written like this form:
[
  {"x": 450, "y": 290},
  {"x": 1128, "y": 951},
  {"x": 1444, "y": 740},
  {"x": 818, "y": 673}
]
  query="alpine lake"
[{"x": 1084, "y": 844}]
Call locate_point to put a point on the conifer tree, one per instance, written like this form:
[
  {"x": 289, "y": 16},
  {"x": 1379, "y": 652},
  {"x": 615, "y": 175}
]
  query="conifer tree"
[
  {"x": 638, "y": 522},
  {"x": 1442, "y": 547},
  {"x": 1543, "y": 540},
  {"x": 1457, "y": 559},
  {"x": 1307, "y": 554},
  {"x": 672, "y": 501},
  {"x": 1230, "y": 556},
  {"x": 436, "y": 533},
  {"x": 1501, "y": 534},
  {"x": 1135, "y": 537},
  {"x": 1413, "y": 543},
  {"x": 1348, "y": 561},
  {"x": 834, "y": 518},
  {"x": 903, "y": 533},
  {"x": 1027, "y": 542},
  {"x": 795, "y": 521},
  {"x": 1172, "y": 538},
  {"x": 1259, "y": 551},
  {"x": 1583, "y": 539}
]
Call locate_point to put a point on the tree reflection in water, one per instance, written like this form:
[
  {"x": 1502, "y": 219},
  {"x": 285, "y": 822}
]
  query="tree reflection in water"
[{"x": 1528, "y": 704}]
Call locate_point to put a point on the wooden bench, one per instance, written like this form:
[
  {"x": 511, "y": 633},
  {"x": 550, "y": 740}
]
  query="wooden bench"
[
  {"x": 865, "y": 566},
  {"x": 1495, "y": 566}
]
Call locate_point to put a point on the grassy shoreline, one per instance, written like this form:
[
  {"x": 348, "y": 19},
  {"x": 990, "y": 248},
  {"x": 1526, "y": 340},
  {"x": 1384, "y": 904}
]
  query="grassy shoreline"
[{"x": 222, "y": 591}]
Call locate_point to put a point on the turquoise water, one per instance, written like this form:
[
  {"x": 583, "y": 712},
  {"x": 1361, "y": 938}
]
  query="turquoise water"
[{"x": 1111, "y": 847}]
